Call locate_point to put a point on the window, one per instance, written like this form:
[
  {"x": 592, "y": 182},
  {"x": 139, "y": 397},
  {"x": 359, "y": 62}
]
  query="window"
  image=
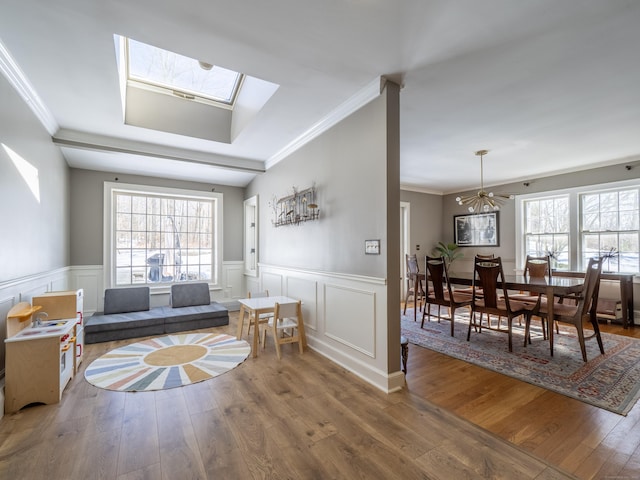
[
  {"x": 578, "y": 224},
  {"x": 547, "y": 229},
  {"x": 610, "y": 228},
  {"x": 180, "y": 75},
  {"x": 162, "y": 236}
]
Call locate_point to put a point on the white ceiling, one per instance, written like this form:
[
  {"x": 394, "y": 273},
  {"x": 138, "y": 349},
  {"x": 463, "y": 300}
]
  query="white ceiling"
[{"x": 547, "y": 86}]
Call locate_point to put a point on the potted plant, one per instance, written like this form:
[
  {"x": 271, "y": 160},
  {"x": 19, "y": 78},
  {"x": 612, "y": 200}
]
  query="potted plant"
[{"x": 450, "y": 251}]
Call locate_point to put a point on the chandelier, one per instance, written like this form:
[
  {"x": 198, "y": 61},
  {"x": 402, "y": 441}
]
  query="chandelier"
[{"x": 482, "y": 201}]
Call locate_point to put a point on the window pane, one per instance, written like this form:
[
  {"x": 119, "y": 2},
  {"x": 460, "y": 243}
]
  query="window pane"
[
  {"x": 609, "y": 202},
  {"x": 590, "y": 246},
  {"x": 123, "y": 276},
  {"x": 590, "y": 203},
  {"x": 138, "y": 222},
  {"x": 591, "y": 222},
  {"x": 629, "y": 220},
  {"x": 562, "y": 214},
  {"x": 628, "y": 200},
  {"x": 138, "y": 204},
  {"x": 123, "y": 203},
  {"x": 629, "y": 253},
  {"x": 153, "y": 205},
  {"x": 123, "y": 240},
  {"x": 609, "y": 221}
]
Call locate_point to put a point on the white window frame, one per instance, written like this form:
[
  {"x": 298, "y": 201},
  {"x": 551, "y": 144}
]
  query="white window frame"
[
  {"x": 108, "y": 251},
  {"x": 575, "y": 232}
]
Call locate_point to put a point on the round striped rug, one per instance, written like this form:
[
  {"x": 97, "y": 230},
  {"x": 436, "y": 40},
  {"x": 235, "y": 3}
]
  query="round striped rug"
[{"x": 167, "y": 362}]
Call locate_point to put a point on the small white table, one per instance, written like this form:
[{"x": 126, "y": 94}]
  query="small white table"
[{"x": 256, "y": 307}]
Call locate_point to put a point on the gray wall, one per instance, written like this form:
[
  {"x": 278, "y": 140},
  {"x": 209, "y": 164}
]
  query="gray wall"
[
  {"x": 425, "y": 226},
  {"x": 507, "y": 248},
  {"x": 87, "y": 192},
  {"x": 35, "y": 233},
  {"x": 351, "y": 197}
]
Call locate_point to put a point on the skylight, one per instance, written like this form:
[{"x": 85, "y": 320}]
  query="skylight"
[{"x": 180, "y": 75}]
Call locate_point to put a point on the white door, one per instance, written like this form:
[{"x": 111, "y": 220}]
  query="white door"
[{"x": 405, "y": 238}]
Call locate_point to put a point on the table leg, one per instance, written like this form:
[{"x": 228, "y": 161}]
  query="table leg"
[
  {"x": 240, "y": 322},
  {"x": 415, "y": 297},
  {"x": 256, "y": 331},
  {"x": 626, "y": 298},
  {"x": 550, "y": 322}
]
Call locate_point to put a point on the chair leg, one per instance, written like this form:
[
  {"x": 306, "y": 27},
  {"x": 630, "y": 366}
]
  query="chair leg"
[
  {"x": 527, "y": 329},
  {"x": 299, "y": 341},
  {"x": 583, "y": 347},
  {"x": 405, "y": 356},
  {"x": 596, "y": 330},
  {"x": 276, "y": 341},
  {"x": 452, "y": 316},
  {"x": 509, "y": 324}
]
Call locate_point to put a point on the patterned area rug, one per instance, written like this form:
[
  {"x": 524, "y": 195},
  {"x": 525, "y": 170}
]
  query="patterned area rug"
[
  {"x": 167, "y": 362},
  {"x": 610, "y": 381}
]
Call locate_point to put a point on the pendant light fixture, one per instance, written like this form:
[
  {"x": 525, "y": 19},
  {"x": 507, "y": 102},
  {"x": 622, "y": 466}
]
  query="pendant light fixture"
[{"x": 483, "y": 201}]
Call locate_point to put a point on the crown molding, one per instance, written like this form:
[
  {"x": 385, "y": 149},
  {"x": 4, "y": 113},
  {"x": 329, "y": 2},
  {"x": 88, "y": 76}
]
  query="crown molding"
[
  {"x": 21, "y": 84},
  {"x": 354, "y": 103},
  {"x": 101, "y": 143}
]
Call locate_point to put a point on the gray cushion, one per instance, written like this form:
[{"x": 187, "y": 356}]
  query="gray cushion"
[
  {"x": 123, "y": 300},
  {"x": 190, "y": 294},
  {"x": 119, "y": 321},
  {"x": 197, "y": 312}
]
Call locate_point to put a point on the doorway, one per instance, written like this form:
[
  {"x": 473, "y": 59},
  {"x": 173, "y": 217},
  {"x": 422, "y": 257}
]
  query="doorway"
[{"x": 405, "y": 239}]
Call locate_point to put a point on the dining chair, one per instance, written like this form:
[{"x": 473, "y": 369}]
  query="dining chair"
[
  {"x": 263, "y": 318},
  {"x": 488, "y": 273},
  {"x": 469, "y": 290},
  {"x": 287, "y": 325},
  {"x": 440, "y": 293},
  {"x": 413, "y": 270},
  {"x": 479, "y": 256},
  {"x": 584, "y": 310},
  {"x": 538, "y": 268}
]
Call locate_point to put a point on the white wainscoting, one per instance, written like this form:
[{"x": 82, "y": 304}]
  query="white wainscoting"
[
  {"x": 345, "y": 319},
  {"x": 90, "y": 278}
]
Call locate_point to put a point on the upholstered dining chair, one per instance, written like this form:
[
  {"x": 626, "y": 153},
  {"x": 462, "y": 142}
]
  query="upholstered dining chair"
[
  {"x": 413, "y": 269},
  {"x": 440, "y": 293},
  {"x": 287, "y": 325},
  {"x": 583, "y": 311},
  {"x": 489, "y": 274}
]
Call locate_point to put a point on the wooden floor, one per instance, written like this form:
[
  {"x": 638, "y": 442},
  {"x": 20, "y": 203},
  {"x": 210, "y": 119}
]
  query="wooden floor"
[
  {"x": 584, "y": 440},
  {"x": 306, "y": 417}
]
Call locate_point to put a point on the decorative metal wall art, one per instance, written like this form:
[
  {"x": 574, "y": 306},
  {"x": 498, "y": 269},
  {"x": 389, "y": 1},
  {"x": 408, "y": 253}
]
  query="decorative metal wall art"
[{"x": 294, "y": 209}]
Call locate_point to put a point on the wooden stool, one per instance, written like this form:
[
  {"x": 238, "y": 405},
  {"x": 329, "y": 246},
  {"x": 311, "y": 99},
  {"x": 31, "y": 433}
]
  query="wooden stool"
[{"x": 404, "y": 343}]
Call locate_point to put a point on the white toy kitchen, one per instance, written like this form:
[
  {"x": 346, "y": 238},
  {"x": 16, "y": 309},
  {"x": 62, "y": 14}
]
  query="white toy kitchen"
[{"x": 41, "y": 352}]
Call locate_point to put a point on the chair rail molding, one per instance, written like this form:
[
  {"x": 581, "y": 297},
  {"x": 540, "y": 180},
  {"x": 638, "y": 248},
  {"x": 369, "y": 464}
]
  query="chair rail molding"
[{"x": 346, "y": 318}]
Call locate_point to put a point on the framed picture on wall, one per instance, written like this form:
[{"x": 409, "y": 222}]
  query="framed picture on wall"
[{"x": 477, "y": 230}]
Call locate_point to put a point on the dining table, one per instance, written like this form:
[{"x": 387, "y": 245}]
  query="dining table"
[
  {"x": 259, "y": 306},
  {"x": 551, "y": 287}
]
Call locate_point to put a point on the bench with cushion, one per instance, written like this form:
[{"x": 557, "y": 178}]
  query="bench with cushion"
[{"x": 127, "y": 313}]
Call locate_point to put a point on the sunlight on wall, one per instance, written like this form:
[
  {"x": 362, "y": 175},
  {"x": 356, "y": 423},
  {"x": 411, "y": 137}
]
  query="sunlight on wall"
[{"x": 29, "y": 172}]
